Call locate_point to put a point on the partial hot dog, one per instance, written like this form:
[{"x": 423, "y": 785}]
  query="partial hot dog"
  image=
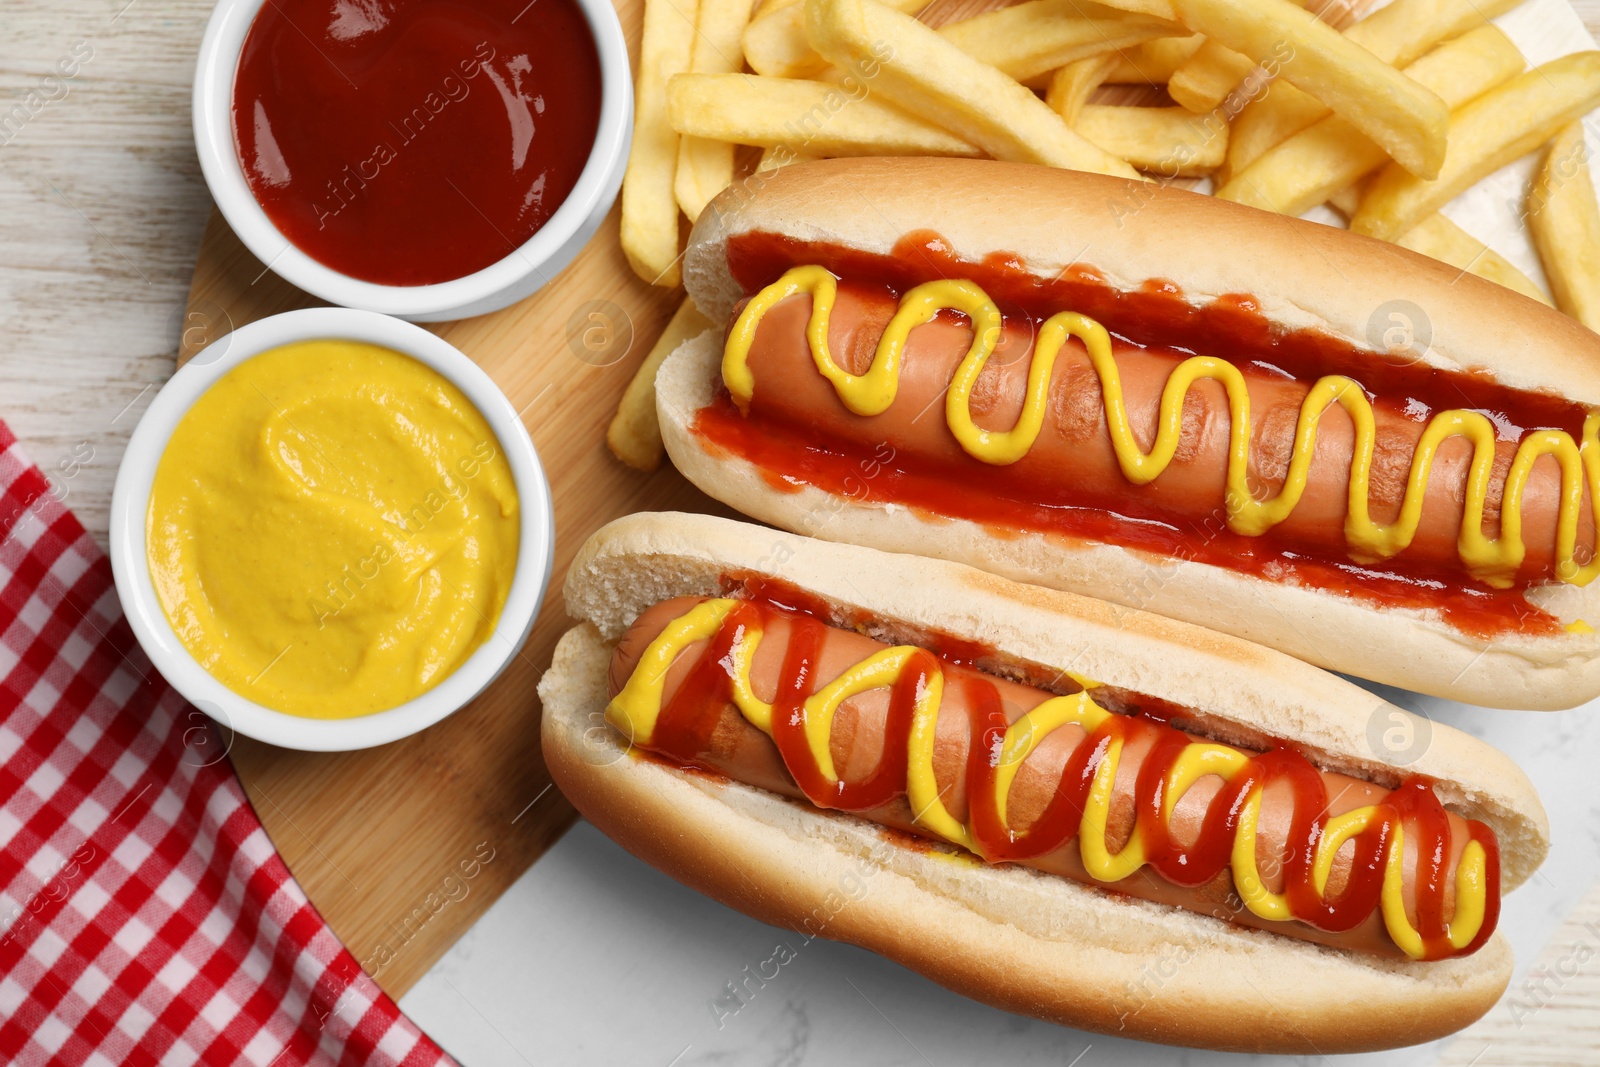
[
  {"x": 758, "y": 713},
  {"x": 1072, "y": 463},
  {"x": 1166, "y": 385},
  {"x": 697, "y": 721}
]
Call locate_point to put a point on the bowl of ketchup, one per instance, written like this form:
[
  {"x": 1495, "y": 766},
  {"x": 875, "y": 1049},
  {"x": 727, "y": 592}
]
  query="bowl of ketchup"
[{"x": 431, "y": 159}]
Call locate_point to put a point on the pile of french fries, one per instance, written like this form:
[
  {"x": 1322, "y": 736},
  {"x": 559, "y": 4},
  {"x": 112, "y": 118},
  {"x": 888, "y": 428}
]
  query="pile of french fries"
[{"x": 1271, "y": 103}]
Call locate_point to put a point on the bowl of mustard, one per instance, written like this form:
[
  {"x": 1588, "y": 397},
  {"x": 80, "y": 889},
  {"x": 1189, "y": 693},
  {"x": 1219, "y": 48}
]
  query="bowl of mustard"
[{"x": 331, "y": 530}]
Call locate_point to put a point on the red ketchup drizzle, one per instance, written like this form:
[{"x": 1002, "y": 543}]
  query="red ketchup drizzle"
[
  {"x": 684, "y": 728},
  {"x": 1154, "y": 315},
  {"x": 1157, "y": 315},
  {"x": 415, "y": 141}
]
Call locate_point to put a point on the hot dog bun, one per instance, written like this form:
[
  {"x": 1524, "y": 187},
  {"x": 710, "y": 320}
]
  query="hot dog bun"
[
  {"x": 1301, "y": 275},
  {"x": 1022, "y": 941}
]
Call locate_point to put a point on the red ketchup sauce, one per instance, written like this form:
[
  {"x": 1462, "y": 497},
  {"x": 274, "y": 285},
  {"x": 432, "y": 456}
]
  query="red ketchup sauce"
[
  {"x": 410, "y": 142},
  {"x": 1154, "y": 316},
  {"x": 684, "y": 729}
]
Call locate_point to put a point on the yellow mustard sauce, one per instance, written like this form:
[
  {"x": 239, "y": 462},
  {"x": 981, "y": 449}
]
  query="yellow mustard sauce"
[
  {"x": 332, "y": 529},
  {"x": 1493, "y": 561}
]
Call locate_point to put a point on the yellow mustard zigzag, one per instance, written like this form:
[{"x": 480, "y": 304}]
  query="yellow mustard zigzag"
[{"x": 1494, "y": 561}]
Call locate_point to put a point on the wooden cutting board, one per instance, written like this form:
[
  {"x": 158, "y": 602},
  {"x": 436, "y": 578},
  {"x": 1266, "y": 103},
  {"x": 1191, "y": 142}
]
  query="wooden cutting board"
[{"x": 372, "y": 836}]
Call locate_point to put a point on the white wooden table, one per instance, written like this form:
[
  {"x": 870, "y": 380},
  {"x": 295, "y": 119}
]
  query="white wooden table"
[{"x": 101, "y": 210}]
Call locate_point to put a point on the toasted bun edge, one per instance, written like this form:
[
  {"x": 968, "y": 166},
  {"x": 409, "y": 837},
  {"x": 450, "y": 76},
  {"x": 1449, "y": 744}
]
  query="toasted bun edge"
[{"x": 1302, "y": 275}]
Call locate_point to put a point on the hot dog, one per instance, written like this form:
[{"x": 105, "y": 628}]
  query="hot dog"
[
  {"x": 703, "y": 725},
  {"x": 731, "y": 685},
  {"x": 1072, "y": 461},
  {"x": 1168, "y": 401}
]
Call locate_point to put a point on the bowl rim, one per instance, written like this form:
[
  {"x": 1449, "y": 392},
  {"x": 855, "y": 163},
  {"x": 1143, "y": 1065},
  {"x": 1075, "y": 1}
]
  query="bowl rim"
[
  {"x": 130, "y": 504},
  {"x": 524, "y": 270}
]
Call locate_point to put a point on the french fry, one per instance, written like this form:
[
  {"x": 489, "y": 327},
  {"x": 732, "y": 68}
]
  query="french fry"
[
  {"x": 649, "y": 234},
  {"x": 1406, "y": 120},
  {"x": 815, "y": 117},
  {"x": 1347, "y": 200},
  {"x": 775, "y": 41},
  {"x": 1332, "y": 154},
  {"x": 779, "y": 156},
  {"x": 1025, "y": 40},
  {"x": 1396, "y": 34},
  {"x": 1209, "y": 76},
  {"x": 1407, "y": 29},
  {"x": 1486, "y": 134},
  {"x": 1564, "y": 220},
  {"x": 634, "y": 435},
  {"x": 705, "y": 167},
  {"x": 1034, "y": 38},
  {"x": 1268, "y": 121},
  {"x": 1169, "y": 141},
  {"x": 1442, "y": 239},
  {"x": 913, "y": 66},
  {"x": 1214, "y": 71},
  {"x": 1463, "y": 69},
  {"x": 1071, "y": 85},
  {"x": 1154, "y": 62},
  {"x": 1156, "y": 9}
]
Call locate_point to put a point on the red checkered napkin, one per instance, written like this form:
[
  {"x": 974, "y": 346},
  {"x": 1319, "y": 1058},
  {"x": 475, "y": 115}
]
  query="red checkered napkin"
[{"x": 144, "y": 916}]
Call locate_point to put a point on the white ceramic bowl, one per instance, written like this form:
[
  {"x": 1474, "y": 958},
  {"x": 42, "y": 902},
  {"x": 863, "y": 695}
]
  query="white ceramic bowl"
[
  {"x": 494, "y": 287},
  {"x": 130, "y": 503}
]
